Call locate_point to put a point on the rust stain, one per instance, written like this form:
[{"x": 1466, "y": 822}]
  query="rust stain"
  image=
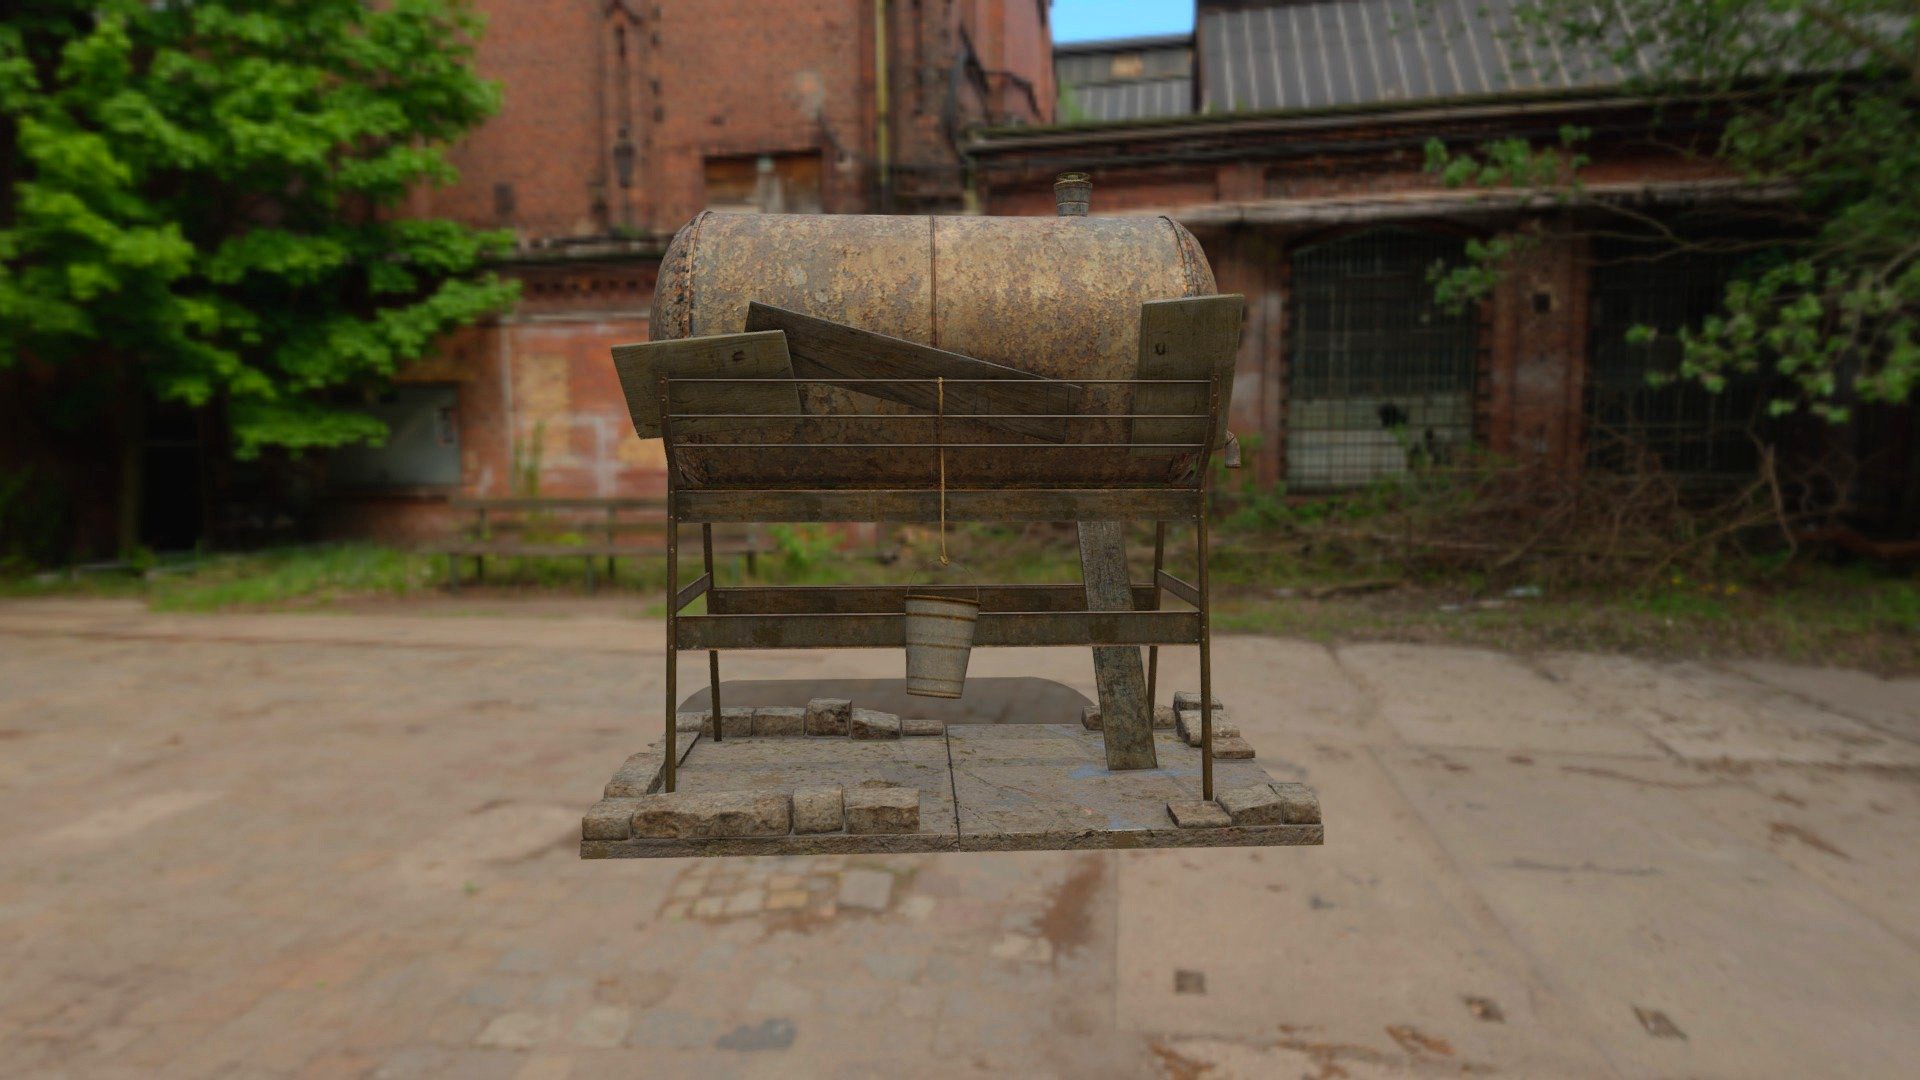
[
  {"x": 1781, "y": 830},
  {"x": 1068, "y": 921},
  {"x": 1177, "y": 1066},
  {"x": 1417, "y": 1042}
]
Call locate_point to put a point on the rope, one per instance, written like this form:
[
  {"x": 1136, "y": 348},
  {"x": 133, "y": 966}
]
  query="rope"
[{"x": 939, "y": 436}]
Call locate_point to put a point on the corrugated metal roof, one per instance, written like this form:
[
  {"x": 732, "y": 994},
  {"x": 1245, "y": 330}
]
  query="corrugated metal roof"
[
  {"x": 1363, "y": 52},
  {"x": 1138, "y": 100},
  {"x": 1129, "y": 79}
]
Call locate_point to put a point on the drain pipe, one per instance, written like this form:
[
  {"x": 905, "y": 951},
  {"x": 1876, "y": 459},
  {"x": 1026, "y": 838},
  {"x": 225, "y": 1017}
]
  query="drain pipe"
[{"x": 883, "y": 151}]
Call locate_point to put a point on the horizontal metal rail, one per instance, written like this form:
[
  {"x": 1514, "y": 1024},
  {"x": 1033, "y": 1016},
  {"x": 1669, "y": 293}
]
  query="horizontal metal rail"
[
  {"x": 934, "y": 416},
  {"x": 916, "y": 505},
  {"x": 941, "y": 445},
  {"x": 1010, "y": 384},
  {"x": 1009, "y": 629},
  {"x": 887, "y": 599}
]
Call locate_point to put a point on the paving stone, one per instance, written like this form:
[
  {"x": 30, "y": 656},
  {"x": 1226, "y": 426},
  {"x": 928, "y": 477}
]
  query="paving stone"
[
  {"x": 817, "y": 810},
  {"x": 1188, "y": 724},
  {"x": 636, "y": 775},
  {"x": 1190, "y": 699},
  {"x": 602, "y": 1027},
  {"x": 873, "y": 724},
  {"x": 517, "y": 1031},
  {"x": 868, "y": 890},
  {"x": 1299, "y": 805},
  {"x": 609, "y": 819},
  {"x": 721, "y": 813},
  {"x": 828, "y": 716},
  {"x": 920, "y": 725},
  {"x": 787, "y": 900},
  {"x": 745, "y": 902},
  {"x": 736, "y": 721},
  {"x": 1256, "y": 805},
  {"x": 1232, "y": 748},
  {"x": 1163, "y": 716},
  {"x": 1197, "y": 814},
  {"x": 883, "y": 810},
  {"x": 779, "y": 720}
]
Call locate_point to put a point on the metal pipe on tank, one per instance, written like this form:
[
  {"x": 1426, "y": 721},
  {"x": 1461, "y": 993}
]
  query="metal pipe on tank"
[{"x": 1072, "y": 194}]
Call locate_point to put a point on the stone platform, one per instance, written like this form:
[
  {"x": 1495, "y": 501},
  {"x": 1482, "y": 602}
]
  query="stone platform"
[{"x": 982, "y": 787}]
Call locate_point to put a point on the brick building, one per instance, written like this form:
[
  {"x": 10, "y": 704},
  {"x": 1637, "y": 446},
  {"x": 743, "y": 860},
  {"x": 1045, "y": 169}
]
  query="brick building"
[
  {"x": 1289, "y": 135},
  {"x": 622, "y": 119},
  {"x": 1291, "y": 138}
]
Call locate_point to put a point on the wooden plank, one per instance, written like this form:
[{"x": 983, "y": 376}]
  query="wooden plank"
[
  {"x": 724, "y": 356},
  {"x": 881, "y": 630},
  {"x": 1183, "y": 590},
  {"x": 824, "y": 349},
  {"x": 1126, "y": 716},
  {"x": 889, "y": 599},
  {"x": 895, "y": 505},
  {"x": 1194, "y": 338},
  {"x": 687, "y": 594},
  {"x": 543, "y": 503}
]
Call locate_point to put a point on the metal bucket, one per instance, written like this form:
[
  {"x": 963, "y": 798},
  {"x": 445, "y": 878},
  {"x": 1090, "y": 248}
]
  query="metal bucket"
[{"x": 939, "y": 640}]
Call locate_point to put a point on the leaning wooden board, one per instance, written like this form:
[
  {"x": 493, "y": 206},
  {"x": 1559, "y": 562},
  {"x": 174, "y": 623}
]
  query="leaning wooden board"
[
  {"x": 1196, "y": 338},
  {"x": 829, "y": 350},
  {"x": 724, "y": 356}
]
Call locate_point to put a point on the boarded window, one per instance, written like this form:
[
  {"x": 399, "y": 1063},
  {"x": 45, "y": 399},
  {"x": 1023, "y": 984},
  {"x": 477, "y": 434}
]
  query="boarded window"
[
  {"x": 422, "y": 447},
  {"x": 1380, "y": 378},
  {"x": 764, "y": 183},
  {"x": 1679, "y": 425}
]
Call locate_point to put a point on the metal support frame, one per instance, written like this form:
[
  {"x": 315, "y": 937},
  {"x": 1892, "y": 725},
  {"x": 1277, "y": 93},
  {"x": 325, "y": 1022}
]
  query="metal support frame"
[{"x": 761, "y": 617}]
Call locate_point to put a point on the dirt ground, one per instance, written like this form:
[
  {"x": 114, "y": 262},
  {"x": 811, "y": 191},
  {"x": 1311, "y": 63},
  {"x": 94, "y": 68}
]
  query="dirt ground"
[{"x": 317, "y": 845}]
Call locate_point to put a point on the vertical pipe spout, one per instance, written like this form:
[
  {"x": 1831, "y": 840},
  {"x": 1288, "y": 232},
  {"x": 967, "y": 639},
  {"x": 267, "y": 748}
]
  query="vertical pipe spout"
[{"x": 1071, "y": 194}]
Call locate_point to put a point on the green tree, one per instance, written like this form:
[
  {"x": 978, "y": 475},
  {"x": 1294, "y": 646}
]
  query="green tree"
[
  {"x": 202, "y": 203},
  {"x": 1818, "y": 99}
]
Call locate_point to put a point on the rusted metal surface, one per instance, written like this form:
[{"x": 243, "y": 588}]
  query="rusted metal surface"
[{"x": 1057, "y": 297}]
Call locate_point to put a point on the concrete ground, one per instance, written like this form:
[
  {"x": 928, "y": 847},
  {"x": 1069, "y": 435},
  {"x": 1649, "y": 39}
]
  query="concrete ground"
[{"x": 279, "y": 845}]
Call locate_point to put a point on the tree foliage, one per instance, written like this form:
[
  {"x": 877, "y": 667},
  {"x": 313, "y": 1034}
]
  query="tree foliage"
[
  {"x": 203, "y": 194},
  {"x": 1820, "y": 98}
]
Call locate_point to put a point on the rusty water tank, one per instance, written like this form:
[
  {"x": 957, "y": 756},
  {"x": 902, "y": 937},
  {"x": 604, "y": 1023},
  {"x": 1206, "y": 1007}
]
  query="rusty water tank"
[{"x": 1056, "y": 296}]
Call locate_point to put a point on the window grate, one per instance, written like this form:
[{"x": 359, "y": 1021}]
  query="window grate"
[{"x": 1380, "y": 378}]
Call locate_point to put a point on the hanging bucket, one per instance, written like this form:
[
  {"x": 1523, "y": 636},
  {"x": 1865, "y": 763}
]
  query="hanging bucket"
[
  {"x": 939, "y": 640},
  {"x": 940, "y": 628}
]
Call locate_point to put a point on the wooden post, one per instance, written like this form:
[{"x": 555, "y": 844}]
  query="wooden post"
[
  {"x": 670, "y": 767},
  {"x": 1153, "y": 651},
  {"x": 1126, "y": 716},
  {"x": 713, "y": 655}
]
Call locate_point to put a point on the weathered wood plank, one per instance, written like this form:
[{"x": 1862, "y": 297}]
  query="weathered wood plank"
[
  {"x": 723, "y": 356},
  {"x": 692, "y": 589},
  {"x": 895, "y": 505},
  {"x": 824, "y": 349},
  {"x": 1194, "y": 338},
  {"x": 1120, "y": 677},
  {"x": 888, "y": 631},
  {"x": 889, "y": 599},
  {"x": 1177, "y": 587}
]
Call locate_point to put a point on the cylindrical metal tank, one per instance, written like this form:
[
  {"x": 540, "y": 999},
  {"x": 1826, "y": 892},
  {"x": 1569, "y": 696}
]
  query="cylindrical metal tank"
[{"x": 1058, "y": 297}]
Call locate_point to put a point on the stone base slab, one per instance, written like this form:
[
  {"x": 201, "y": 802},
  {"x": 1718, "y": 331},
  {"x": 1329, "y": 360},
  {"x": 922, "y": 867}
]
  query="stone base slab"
[{"x": 982, "y": 787}]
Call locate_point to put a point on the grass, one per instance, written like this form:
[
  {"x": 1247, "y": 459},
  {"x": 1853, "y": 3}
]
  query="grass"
[{"x": 1805, "y": 612}]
